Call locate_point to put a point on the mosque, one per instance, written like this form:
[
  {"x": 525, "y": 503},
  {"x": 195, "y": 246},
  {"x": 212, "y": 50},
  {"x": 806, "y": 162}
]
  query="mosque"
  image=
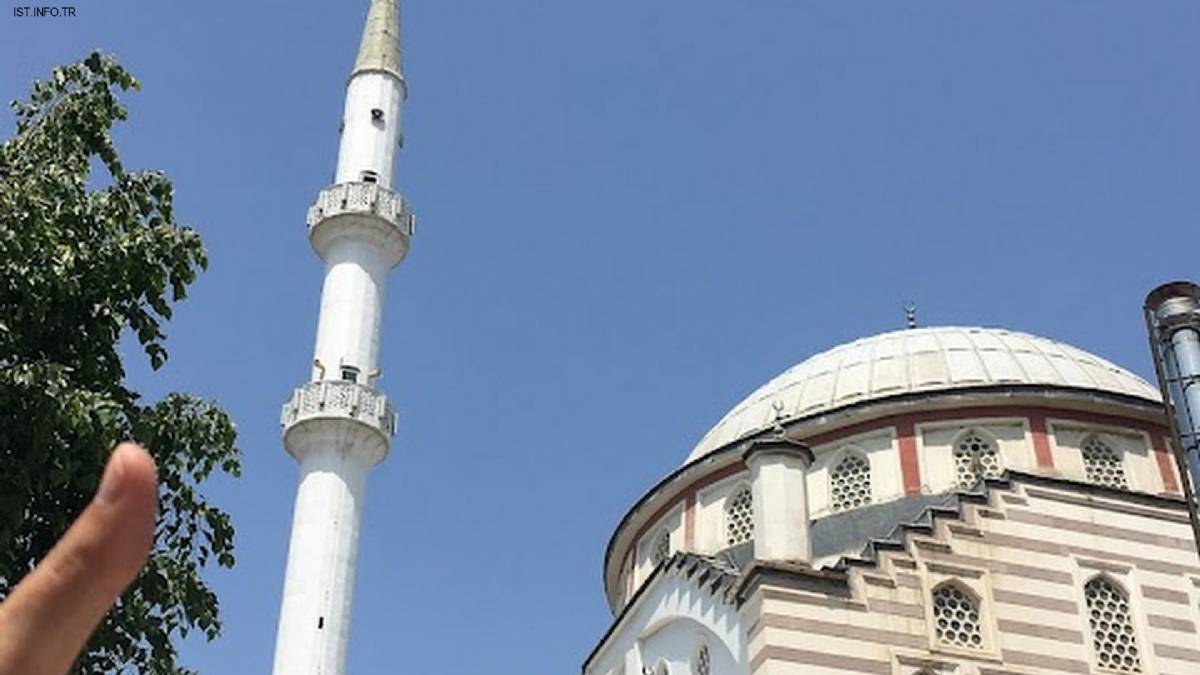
[{"x": 932, "y": 501}]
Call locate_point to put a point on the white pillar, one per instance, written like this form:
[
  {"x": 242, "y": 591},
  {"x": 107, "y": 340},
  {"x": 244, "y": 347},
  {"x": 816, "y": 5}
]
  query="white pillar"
[
  {"x": 351, "y": 308},
  {"x": 314, "y": 623},
  {"x": 370, "y": 127},
  {"x": 778, "y": 484}
]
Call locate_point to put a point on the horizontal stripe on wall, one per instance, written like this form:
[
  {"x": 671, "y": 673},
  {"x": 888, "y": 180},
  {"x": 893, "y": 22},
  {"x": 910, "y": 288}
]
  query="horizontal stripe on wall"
[
  {"x": 1043, "y": 546},
  {"x": 844, "y": 630},
  {"x": 1045, "y": 662},
  {"x": 1165, "y": 594},
  {"x": 1041, "y": 631},
  {"x": 1035, "y": 601},
  {"x": 1115, "y": 568},
  {"x": 896, "y": 608},
  {"x": 882, "y": 582},
  {"x": 1177, "y": 653},
  {"x": 1008, "y": 568},
  {"x": 954, "y": 570},
  {"x": 852, "y": 664},
  {"x": 1170, "y": 623},
  {"x": 815, "y": 600},
  {"x": 1117, "y": 507},
  {"x": 1099, "y": 530},
  {"x": 990, "y": 670}
]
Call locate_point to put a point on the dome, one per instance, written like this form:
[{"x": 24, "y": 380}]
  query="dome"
[{"x": 919, "y": 360}]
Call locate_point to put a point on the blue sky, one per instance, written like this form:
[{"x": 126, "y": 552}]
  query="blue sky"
[{"x": 631, "y": 214}]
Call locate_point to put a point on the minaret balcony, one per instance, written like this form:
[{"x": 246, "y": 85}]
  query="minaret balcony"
[
  {"x": 361, "y": 209},
  {"x": 337, "y": 399}
]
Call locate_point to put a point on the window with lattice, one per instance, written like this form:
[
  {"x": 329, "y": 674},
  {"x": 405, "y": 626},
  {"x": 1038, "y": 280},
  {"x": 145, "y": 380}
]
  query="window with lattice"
[
  {"x": 662, "y": 549},
  {"x": 1102, "y": 465},
  {"x": 850, "y": 483},
  {"x": 975, "y": 458},
  {"x": 739, "y": 517},
  {"x": 1113, "y": 637},
  {"x": 702, "y": 663},
  {"x": 956, "y": 617}
]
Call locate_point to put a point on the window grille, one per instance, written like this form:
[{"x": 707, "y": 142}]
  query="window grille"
[
  {"x": 702, "y": 664},
  {"x": 975, "y": 458},
  {"x": 1103, "y": 465},
  {"x": 956, "y": 618},
  {"x": 1112, "y": 628},
  {"x": 850, "y": 483},
  {"x": 662, "y": 549},
  {"x": 739, "y": 517}
]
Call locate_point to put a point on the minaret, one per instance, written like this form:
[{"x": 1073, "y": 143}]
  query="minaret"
[{"x": 338, "y": 425}]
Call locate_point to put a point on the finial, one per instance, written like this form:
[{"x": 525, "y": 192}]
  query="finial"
[
  {"x": 778, "y": 426},
  {"x": 910, "y": 315},
  {"x": 380, "y": 48}
]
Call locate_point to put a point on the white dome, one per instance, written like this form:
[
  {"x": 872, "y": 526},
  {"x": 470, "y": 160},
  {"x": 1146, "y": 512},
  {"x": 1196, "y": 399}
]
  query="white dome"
[{"x": 919, "y": 360}]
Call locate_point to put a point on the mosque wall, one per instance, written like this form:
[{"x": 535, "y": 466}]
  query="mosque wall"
[
  {"x": 937, "y": 442},
  {"x": 709, "y": 514},
  {"x": 669, "y": 628},
  {"x": 669, "y": 526},
  {"x": 879, "y": 447},
  {"x": 1034, "y": 567},
  {"x": 1068, "y": 439}
]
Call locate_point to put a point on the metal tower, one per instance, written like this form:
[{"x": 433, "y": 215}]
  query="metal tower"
[{"x": 1173, "y": 322}]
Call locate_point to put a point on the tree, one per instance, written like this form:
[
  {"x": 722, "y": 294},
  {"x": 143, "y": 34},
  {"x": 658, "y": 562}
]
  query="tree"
[{"x": 84, "y": 260}]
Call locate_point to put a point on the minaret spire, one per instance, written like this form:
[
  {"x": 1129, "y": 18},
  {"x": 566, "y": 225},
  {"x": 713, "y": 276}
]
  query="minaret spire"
[
  {"x": 338, "y": 425},
  {"x": 380, "y": 48}
]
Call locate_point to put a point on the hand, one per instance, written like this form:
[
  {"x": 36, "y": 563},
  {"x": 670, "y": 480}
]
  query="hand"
[{"x": 49, "y": 616}]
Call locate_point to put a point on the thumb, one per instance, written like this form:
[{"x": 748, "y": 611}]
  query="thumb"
[{"x": 48, "y": 617}]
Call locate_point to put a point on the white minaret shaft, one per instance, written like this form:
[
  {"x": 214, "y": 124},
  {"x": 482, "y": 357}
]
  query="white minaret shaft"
[{"x": 338, "y": 426}]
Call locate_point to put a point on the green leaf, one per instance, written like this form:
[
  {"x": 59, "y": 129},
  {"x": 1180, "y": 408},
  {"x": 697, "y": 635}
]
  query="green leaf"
[{"x": 78, "y": 269}]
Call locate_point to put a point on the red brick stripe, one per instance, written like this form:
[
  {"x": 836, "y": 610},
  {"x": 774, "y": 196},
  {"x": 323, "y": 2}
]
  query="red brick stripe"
[
  {"x": 910, "y": 465},
  {"x": 1041, "y": 443},
  {"x": 1166, "y": 467}
]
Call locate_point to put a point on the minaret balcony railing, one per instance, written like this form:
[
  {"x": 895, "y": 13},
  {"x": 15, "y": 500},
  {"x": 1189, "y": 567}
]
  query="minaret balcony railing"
[
  {"x": 339, "y": 399},
  {"x": 362, "y": 198}
]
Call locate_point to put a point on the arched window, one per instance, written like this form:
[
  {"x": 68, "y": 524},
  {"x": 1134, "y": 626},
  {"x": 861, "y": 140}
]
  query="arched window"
[
  {"x": 739, "y": 517},
  {"x": 1103, "y": 465},
  {"x": 662, "y": 548},
  {"x": 975, "y": 458},
  {"x": 702, "y": 661},
  {"x": 850, "y": 483},
  {"x": 1113, "y": 636},
  {"x": 956, "y": 617}
]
